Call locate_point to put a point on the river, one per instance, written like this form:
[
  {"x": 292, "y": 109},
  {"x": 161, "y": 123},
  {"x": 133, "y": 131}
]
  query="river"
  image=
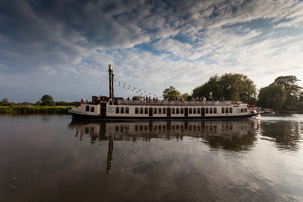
[{"x": 54, "y": 158}]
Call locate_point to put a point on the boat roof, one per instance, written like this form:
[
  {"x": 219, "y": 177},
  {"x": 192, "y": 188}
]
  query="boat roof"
[{"x": 179, "y": 103}]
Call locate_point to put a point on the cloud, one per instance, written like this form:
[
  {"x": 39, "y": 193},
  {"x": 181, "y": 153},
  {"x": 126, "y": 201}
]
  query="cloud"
[{"x": 69, "y": 43}]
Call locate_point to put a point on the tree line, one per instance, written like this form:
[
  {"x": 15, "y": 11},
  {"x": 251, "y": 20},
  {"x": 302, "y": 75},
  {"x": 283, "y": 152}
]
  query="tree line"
[
  {"x": 283, "y": 94},
  {"x": 46, "y": 100}
]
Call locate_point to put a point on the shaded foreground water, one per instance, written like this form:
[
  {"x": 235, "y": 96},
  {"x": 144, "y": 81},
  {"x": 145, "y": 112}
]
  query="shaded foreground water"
[{"x": 52, "y": 158}]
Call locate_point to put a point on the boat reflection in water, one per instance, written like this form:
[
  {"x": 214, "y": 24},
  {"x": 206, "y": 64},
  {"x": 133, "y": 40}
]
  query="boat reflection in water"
[{"x": 228, "y": 135}]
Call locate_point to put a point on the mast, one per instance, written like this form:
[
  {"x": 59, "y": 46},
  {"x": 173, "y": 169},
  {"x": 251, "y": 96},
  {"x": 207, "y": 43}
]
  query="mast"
[{"x": 111, "y": 81}]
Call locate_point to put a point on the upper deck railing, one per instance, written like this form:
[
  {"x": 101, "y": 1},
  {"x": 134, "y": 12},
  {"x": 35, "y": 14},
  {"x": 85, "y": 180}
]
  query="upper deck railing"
[{"x": 177, "y": 103}]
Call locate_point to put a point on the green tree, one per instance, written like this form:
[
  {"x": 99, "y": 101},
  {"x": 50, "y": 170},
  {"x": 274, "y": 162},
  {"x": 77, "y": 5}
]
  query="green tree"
[
  {"x": 272, "y": 96},
  {"x": 292, "y": 90},
  {"x": 47, "y": 100},
  {"x": 230, "y": 86},
  {"x": 211, "y": 86},
  {"x": 237, "y": 87},
  {"x": 26, "y": 103},
  {"x": 38, "y": 103},
  {"x": 5, "y": 102},
  {"x": 171, "y": 93},
  {"x": 63, "y": 103},
  {"x": 185, "y": 96}
]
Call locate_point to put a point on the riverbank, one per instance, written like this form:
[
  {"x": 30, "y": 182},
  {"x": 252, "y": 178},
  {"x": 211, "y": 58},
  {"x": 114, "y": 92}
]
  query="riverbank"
[
  {"x": 34, "y": 109},
  {"x": 288, "y": 112}
]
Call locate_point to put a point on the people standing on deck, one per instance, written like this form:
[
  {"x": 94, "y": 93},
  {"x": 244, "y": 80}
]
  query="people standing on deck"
[{"x": 204, "y": 99}]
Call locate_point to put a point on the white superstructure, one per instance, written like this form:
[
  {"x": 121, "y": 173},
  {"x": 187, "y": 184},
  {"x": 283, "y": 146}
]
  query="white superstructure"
[{"x": 103, "y": 107}]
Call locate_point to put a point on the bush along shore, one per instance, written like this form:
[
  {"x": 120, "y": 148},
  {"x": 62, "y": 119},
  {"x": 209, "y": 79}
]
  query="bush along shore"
[{"x": 34, "y": 109}]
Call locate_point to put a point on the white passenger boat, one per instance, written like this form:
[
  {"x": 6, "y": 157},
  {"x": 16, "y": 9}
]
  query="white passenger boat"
[{"x": 115, "y": 108}]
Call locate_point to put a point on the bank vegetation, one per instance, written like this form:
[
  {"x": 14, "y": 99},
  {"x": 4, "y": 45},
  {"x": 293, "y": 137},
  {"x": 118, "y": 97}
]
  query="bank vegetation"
[
  {"x": 46, "y": 105},
  {"x": 284, "y": 94}
]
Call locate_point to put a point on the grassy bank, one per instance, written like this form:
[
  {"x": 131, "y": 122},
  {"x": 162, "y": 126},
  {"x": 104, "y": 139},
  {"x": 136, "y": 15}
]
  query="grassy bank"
[{"x": 34, "y": 109}]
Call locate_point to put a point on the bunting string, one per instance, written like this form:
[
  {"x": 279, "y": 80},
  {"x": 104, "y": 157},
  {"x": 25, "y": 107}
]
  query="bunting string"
[{"x": 137, "y": 90}]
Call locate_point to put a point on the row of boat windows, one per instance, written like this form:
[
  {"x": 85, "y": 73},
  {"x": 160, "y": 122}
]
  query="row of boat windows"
[
  {"x": 207, "y": 127},
  {"x": 179, "y": 110},
  {"x": 142, "y": 110},
  {"x": 121, "y": 110}
]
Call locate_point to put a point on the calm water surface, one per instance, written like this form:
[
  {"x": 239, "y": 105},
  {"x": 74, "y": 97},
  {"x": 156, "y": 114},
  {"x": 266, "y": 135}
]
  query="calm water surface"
[{"x": 55, "y": 158}]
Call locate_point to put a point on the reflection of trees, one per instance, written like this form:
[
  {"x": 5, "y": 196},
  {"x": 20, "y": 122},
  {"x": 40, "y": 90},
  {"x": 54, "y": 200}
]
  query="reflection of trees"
[
  {"x": 235, "y": 135},
  {"x": 230, "y": 135},
  {"x": 235, "y": 144},
  {"x": 285, "y": 133}
]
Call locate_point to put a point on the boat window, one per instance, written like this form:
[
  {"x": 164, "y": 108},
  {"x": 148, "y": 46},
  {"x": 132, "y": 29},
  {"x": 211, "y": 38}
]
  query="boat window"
[
  {"x": 173, "y": 110},
  {"x": 238, "y": 110},
  {"x": 241, "y": 110},
  {"x": 177, "y": 111},
  {"x": 222, "y": 110},
  {"x": 210, "y": 110},
  {"x": 141, "y": 110},
  {"x": 226, "y": 110},
  {"x": 215, "y": 110},
  {"x": 199, "y": 111},
  {"x": 126, "y": 110},
  {"x": 230, "y": 110},
  {"x": 122, "y": 110},
  {"x": 160, "y": 111},
  {"x": 195, "y": 110},
  {"x": 206, "y": 110},
  {"x": 155, "y": 110},
  {"x": 190, "y": 110},
  {"x": 136, "y": 110},
  {"x": 117, "y": 110},
  {"x": 146, "y": 110},
  {"x": 92, "y": 109},
  {"x": 182, "y": 111},
  {"x": 164, "y": 110},
  {"x": 245, "y": 110},
  {"x": 87, "y": 108}
]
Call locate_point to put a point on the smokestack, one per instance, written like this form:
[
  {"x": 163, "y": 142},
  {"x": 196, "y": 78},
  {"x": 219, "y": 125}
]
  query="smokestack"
[
  {"x": 113, "y": 73},
  {"x": 111, "y": 81}
]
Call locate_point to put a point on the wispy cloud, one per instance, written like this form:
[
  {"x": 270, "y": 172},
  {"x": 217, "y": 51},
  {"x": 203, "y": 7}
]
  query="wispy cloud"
[{"x": 59, "y": 46}]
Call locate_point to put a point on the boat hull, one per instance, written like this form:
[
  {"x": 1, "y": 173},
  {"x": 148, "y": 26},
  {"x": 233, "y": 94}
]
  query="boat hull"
[{"x": 90, "y": 117}]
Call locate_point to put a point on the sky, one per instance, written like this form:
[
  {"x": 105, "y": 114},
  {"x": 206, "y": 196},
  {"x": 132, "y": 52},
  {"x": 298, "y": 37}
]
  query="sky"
[{"x": 63, "y": 47}]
